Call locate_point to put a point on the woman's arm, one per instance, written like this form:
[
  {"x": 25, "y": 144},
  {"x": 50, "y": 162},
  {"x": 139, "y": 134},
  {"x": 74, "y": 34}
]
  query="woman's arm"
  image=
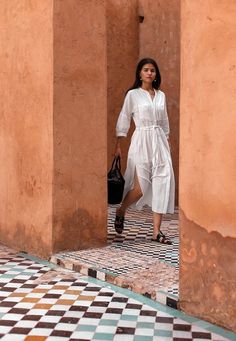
[{"x": 118, "y": 146}]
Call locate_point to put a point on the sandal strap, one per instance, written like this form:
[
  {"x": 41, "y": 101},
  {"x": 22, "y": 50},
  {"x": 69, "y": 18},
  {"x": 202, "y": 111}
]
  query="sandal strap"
[
  {"x": 119, "y": 224},
  {"x": 161, "y": 238},
  {"x": 119, "y": 219}
]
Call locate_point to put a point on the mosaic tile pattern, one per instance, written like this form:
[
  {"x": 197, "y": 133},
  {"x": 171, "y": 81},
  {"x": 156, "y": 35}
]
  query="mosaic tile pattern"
[
  {"x": 40, "y": 303},
  {"x": 113, "y": 259},
  {"x": 146, "y": 281},
  {"x": 132, "y": 260},
  {"x": 138, "y": 227}
]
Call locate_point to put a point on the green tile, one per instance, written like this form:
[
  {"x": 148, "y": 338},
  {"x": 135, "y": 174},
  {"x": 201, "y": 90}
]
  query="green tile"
[
  {"x": 129, "y": 317},
  {"x": 190, "y": 319},
  {"x": 142, "y": 338},
  {"x": 203, "y": 324},
  {"x": 37, "y": 260},
  {"x": 105, "y": 322},
  {"x": 7, "y": 276},
  {"x": 103, "y": 336},
  {"x": 25, "y": 273},
  {"x": 215, "y": 329},
  {"x": 166, "y": 333},
  {"x": 146, "y": 325},
  {"x": 86, "y": 328}
]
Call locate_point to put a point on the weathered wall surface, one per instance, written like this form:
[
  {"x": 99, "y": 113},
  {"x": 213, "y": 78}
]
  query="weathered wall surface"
[
  {"x": 160, "y": 39},
  {"x": 208, "y": 161},
  {"x": 26, "y": 125},
  {"x": 80, "y": 124},
  {"x": 53, "y": 126},
  {"x": 122, "y": 57}
]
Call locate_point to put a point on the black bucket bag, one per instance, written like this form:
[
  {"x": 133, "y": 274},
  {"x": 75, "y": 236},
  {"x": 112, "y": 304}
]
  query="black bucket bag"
[{"x": 115, "y": 182}]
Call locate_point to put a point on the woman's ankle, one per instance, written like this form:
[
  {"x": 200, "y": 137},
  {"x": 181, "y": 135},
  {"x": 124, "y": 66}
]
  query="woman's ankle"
[
  {"x": 120, "y": 212},
  {"x": 155, "y": 233}
]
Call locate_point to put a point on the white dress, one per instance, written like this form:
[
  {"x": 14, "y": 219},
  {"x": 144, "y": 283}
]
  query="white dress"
[{"x": 149, "y": 153}]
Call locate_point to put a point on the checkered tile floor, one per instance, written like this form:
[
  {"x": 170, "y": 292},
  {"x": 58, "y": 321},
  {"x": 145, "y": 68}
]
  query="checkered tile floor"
[
  {"x": 133, "y": 255},
  {"x": 138, "y": 233},
  {"x": 41, "y": 302}
]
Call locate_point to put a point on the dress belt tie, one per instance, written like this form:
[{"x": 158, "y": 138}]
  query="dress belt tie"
[{"x": 148, "y": 127}]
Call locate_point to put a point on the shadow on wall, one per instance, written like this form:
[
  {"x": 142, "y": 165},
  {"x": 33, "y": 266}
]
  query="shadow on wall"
[{"x": 78, "y": 231}]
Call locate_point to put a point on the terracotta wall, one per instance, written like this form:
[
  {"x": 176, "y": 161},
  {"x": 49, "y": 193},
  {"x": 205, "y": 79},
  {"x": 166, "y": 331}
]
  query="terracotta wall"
[
  {"x": 80, "y": 124},
  {"x": 26, "y": 124},
  {"x": 159, "y": 38},
  {"x": 208, "y": 161},
  {"x": 122, "y": 57},
  {"x": 53, "y": 128}
]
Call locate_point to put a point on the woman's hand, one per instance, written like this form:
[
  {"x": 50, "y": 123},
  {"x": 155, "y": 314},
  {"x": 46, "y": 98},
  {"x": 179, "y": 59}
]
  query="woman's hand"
[{"x": 118, "y": 148}]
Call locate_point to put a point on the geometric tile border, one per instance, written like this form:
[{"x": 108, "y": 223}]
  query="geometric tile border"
[{"x": 158, "y": 295}]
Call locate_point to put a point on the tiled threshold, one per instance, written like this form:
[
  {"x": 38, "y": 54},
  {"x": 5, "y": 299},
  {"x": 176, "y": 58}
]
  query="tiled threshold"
[{"x": 132, "y": 260}]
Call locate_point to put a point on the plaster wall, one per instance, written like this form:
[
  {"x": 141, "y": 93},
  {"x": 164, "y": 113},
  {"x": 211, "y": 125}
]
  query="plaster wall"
[
  {"x": 26, "y": 125},
  {"x": 122, "y": 57},
  {"x": 208, "y": 161},
  {"x": 80, "y": 125},
  {"x": 159, "y": 38}
]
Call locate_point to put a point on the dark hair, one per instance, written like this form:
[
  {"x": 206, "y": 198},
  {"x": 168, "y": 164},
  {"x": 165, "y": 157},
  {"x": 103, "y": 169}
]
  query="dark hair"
[{"x": 137, "y": 83}]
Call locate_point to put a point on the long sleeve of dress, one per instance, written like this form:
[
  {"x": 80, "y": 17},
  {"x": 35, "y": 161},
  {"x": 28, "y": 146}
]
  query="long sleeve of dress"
[
  {"x": 165, "y": 120},
  {"x": 123, "y": 123}
]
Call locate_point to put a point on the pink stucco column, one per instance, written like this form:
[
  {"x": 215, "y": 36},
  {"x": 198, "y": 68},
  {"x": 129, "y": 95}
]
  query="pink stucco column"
[
  {"x": 122, "y": 56},
  {"x": 208, "y": 161},
  {"x": 53, "y": 125},
  {"x": 80, "y": 124},
  {"x": 26, "y": 130}
]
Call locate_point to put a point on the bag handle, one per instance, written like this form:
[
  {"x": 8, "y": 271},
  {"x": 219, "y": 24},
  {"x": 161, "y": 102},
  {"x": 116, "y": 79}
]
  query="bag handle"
[
  {"x": 118, "y": 165},
  {"x": 116, "y": 162}
]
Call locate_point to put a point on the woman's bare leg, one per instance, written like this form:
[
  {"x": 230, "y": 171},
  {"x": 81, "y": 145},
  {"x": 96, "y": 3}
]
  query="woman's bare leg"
[
  {"x": 157, "y": 218},
  {"x": 132, "y": 196},
  {"x": 157, "y": 234}
]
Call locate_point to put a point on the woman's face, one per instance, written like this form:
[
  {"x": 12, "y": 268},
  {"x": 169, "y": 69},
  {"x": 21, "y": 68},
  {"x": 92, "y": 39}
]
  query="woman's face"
[{"x": 148, "y": 73}]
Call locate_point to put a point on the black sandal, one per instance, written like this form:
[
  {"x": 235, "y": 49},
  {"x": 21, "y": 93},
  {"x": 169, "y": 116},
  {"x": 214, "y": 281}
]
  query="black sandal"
[
  {"x": 119, "y": 224},
  {"x": 161, "y": 238}
]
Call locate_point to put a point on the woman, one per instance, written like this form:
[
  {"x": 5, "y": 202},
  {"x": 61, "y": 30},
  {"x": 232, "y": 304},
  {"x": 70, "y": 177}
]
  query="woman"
[{"x": 149, "y": 177}]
